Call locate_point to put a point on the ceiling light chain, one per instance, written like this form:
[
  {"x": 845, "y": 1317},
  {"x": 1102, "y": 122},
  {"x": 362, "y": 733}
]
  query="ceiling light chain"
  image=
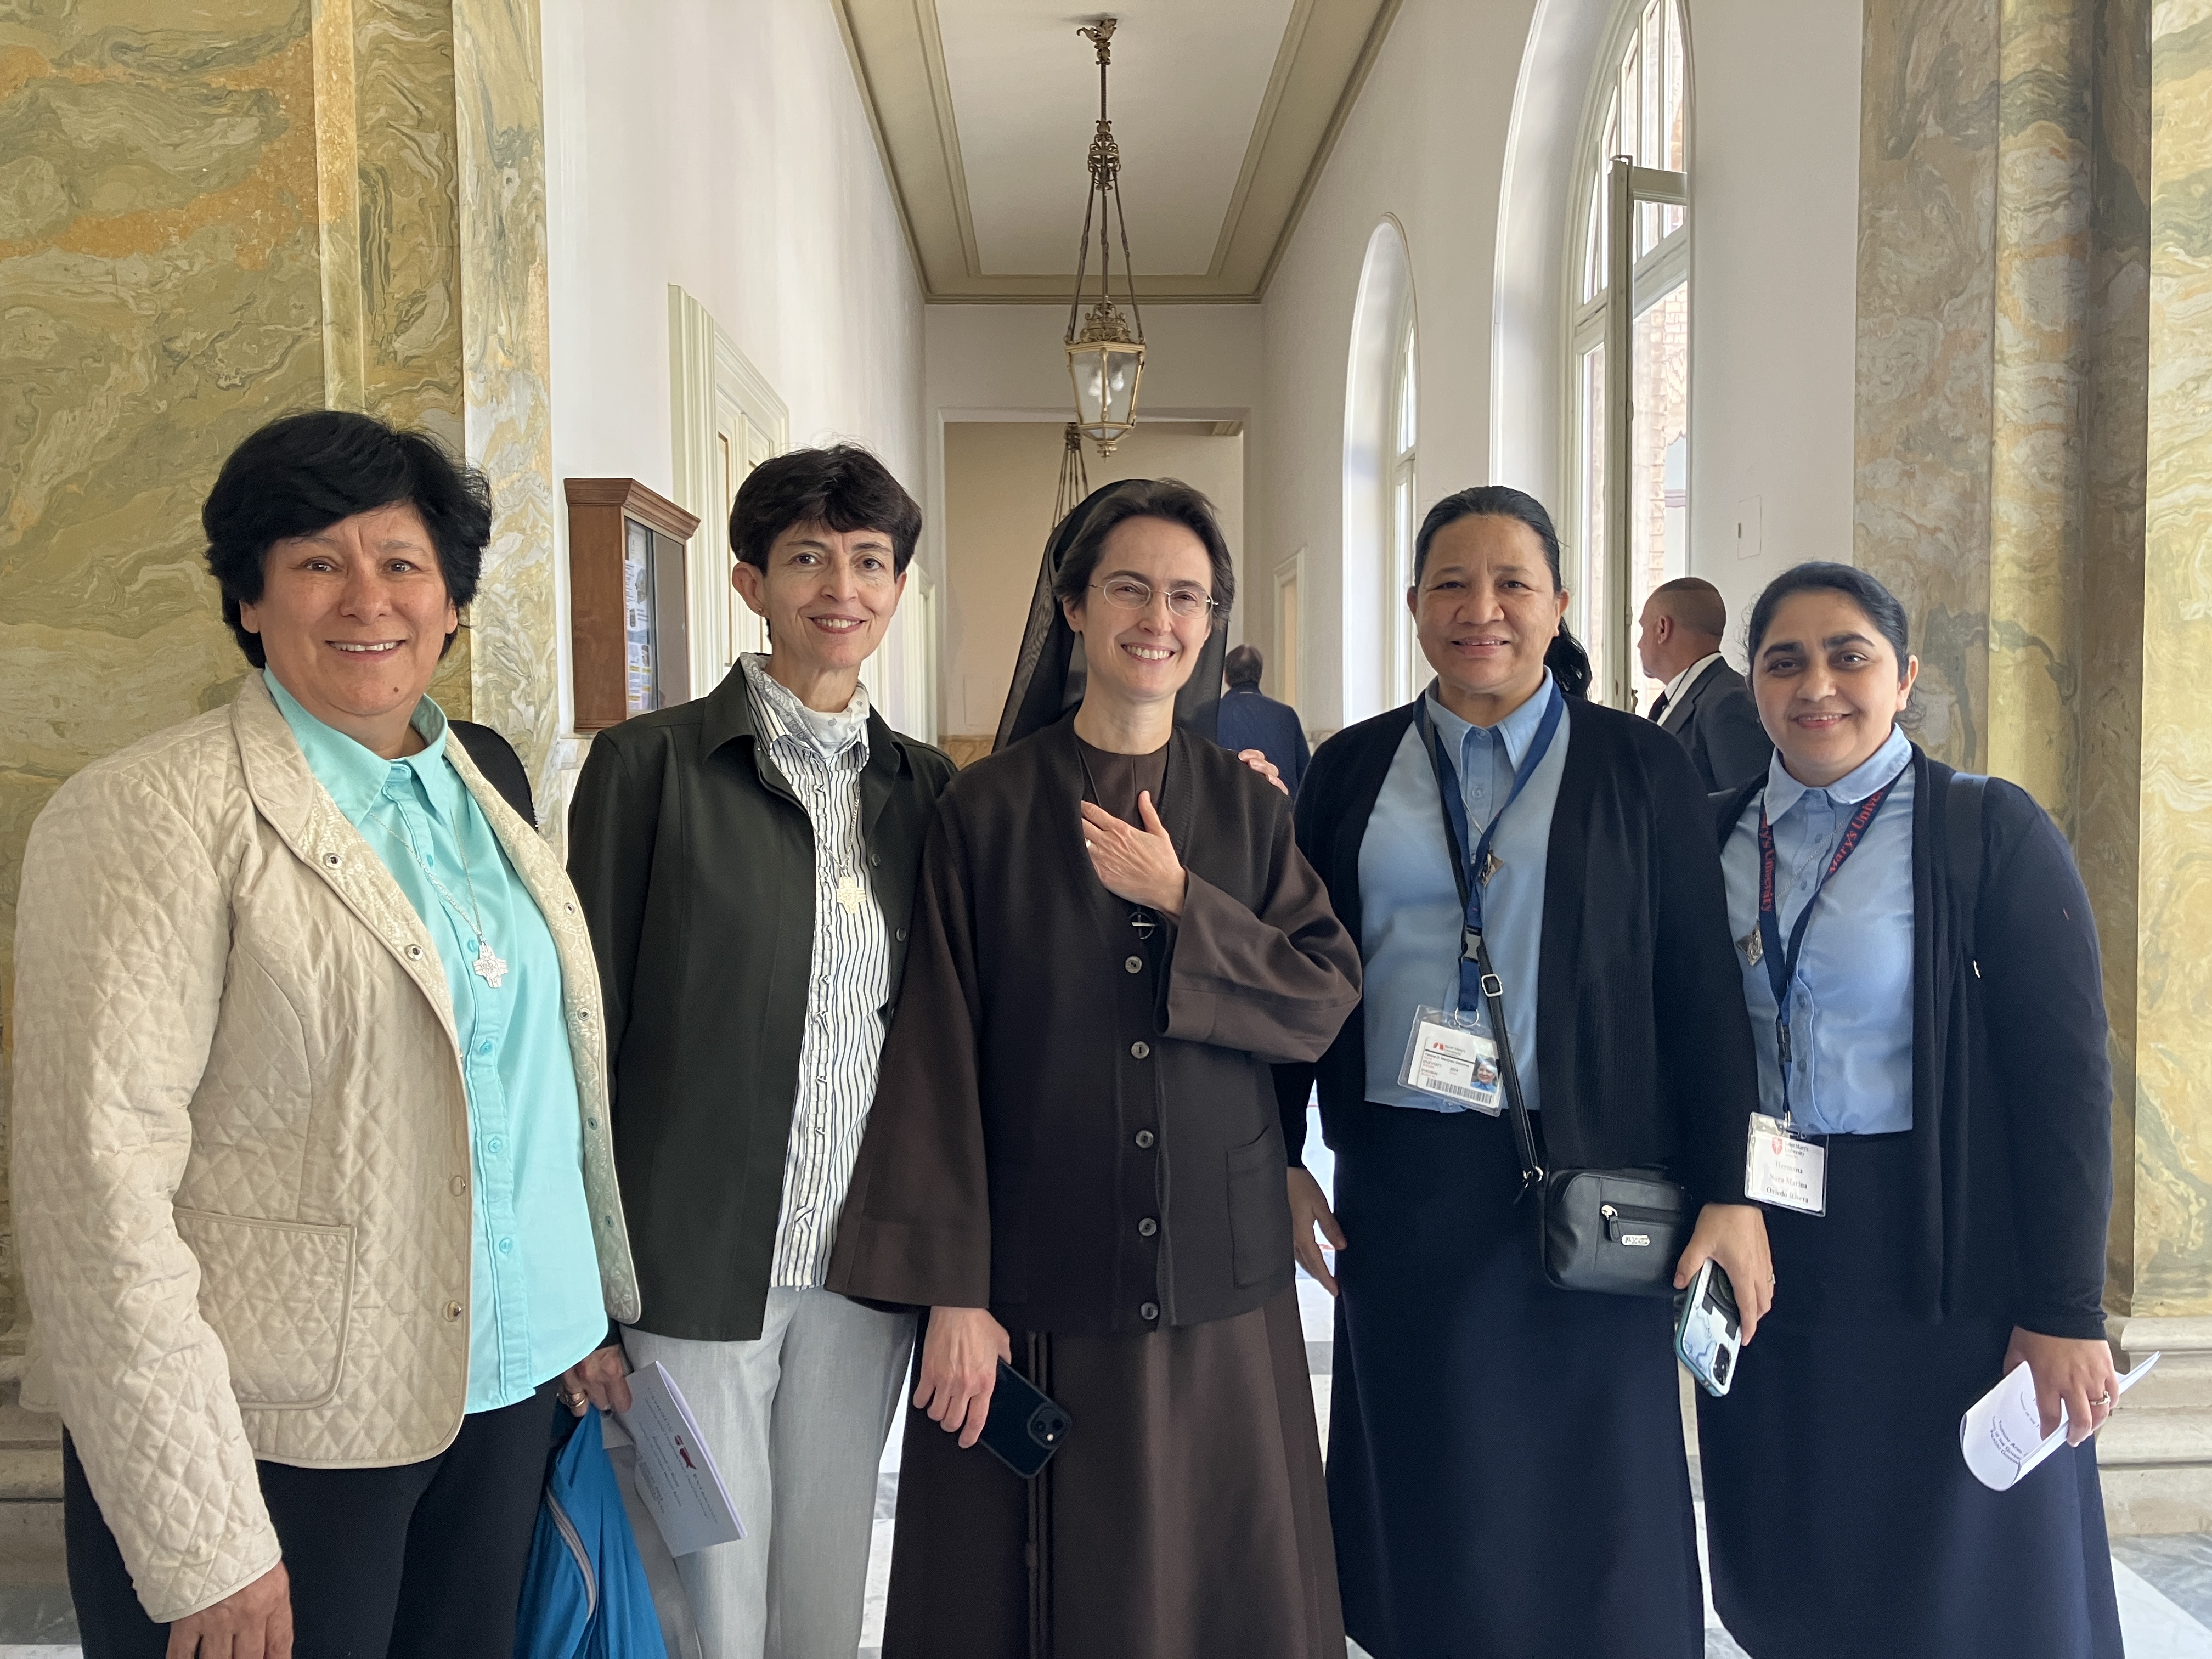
[{"x": 1105, "y": 359}]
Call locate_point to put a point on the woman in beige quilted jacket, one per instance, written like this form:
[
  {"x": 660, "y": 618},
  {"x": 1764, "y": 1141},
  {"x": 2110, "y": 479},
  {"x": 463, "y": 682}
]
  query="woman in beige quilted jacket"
[{"x": 313, "y": 1175}]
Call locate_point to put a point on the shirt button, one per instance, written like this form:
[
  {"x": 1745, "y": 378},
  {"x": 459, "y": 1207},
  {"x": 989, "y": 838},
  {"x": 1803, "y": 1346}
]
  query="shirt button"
[
  {"x": 486, "y": 1046},
  {"x": 1145, "y": 1140},
  {"x": 1141, "y": 1050},
  {"x": 1147, "y": 1227},
  {"x": 1150, "y": 1311},
  {"x": 452, "y": 1311},
  {"x": 495, "y": 1145},
  {"x": 1134, "y": 964},
  {"x": 506, "y": 1245}
]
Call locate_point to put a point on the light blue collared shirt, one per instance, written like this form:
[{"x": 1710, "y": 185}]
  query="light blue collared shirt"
[
  {"x": 1851, "y": 1005},
  {"x": 535, "y": 1307},
  {"x": 1410, "y": 915}
]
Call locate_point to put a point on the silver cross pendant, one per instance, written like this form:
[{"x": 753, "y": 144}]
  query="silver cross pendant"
[{"x": 486, "y": 966}]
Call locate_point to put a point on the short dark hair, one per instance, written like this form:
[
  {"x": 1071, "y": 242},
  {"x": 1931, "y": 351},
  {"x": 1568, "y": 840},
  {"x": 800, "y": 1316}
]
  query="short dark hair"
[
  {"x": 1244, "y": 665},
  {"x": 1147, "y": 498},
  {"x": 1862, "y": 590},
  {"x": 843, "y": 488},
  {"x": 1696, "y": 604},
  {"x": 303, "y": 473},
  {"x": 1493, "y": 501}
]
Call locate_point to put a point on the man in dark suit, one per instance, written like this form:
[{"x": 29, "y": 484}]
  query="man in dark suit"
[
  {"x": 1251, "y": 719},
  {"x": 1706, "y": 705}
]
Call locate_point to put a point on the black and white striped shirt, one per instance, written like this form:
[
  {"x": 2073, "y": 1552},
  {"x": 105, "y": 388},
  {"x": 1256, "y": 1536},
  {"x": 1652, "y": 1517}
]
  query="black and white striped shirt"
[{"x": 821, "y": 756}]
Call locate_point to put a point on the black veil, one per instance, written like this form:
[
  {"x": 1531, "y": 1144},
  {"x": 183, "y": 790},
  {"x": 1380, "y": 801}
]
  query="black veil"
[{"x": 1048, "y": 674}]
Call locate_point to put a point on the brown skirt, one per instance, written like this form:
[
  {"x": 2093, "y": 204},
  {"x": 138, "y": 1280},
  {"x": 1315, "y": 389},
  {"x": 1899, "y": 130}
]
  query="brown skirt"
[{"x": 1184, "y": 1516}]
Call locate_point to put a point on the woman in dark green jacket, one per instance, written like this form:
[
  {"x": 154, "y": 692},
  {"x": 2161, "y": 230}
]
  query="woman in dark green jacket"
[{"x": 748, "y": 864}]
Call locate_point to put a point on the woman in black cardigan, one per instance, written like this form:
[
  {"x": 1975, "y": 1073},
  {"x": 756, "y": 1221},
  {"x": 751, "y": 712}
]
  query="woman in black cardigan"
[
  {"x": 1506, "y": 1473},
  {"x": 1945, "y": 1030}
]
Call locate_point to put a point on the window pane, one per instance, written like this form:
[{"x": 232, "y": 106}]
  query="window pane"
[
  {"x": 1408, "y": 666},
  {"x": 1677, "y": 123},
  {"x": 1658, "y": 548},
  {"x": 1590, "y": 507},
  {"x": 1408, "y": 404},
  {"x": 1594, "y": 239}
]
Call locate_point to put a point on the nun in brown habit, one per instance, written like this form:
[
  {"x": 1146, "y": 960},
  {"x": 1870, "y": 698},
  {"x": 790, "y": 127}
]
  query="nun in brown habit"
[{"x": 1075, "y": 1160}]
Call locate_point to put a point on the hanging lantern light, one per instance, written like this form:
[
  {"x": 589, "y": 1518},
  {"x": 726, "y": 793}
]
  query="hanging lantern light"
[{"x": 1106, "y": 353}]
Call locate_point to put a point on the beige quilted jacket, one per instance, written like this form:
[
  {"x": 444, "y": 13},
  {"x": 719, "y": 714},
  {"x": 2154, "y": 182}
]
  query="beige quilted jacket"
[{"x": 241, "y": 1146}]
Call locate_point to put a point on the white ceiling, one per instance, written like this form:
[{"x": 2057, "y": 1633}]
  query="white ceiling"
[
  {"x": 1184, "y": 91},
  {"x": 1225, "y": 111}
]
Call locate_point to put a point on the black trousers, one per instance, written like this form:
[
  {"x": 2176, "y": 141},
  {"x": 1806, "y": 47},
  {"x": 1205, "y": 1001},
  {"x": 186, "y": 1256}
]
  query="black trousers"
[{"x": 423, "y": 1560}]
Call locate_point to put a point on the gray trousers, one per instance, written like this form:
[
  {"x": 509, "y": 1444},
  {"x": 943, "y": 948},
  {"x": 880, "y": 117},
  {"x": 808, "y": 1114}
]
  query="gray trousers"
[{"x": 796, "y": 1422}]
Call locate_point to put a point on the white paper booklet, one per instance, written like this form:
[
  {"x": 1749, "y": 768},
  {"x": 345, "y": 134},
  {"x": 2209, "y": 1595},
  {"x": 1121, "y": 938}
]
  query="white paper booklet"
[
  {"x": 676, "y": 1473},
  {"x": 2002, "y": 1433}
]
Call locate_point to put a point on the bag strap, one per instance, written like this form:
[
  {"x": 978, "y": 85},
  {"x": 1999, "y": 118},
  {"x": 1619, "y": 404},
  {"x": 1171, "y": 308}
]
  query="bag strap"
[
  {"x": 1963, "y": 852},
  {"x": 1524, "y": 1125}
]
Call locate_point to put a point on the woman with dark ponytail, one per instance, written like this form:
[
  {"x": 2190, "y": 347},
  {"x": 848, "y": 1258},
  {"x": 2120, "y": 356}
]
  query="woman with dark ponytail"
[
  {"x": 1506, "y": 1471},
  {"x": 1920, "y": 964}
]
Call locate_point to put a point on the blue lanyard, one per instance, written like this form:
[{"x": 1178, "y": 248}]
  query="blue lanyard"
[
  {"x": 1781, "y": 961},
  {"x": 1471, "y": 873}
]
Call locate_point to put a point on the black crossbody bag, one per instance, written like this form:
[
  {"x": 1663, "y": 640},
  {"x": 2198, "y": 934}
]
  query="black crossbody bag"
[{"x": 1616, "y": 1231}]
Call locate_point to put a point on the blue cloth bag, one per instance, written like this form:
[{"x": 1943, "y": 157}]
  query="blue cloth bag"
[{"x": 584, "y": 1595}]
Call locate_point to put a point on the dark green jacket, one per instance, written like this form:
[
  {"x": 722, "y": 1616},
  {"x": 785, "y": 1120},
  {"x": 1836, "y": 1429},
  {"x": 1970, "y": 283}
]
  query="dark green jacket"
[{"x": 696, "y": 864}]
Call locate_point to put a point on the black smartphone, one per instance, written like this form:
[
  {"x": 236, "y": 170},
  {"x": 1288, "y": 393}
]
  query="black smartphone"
[{"x": 1025, "y": 1426}]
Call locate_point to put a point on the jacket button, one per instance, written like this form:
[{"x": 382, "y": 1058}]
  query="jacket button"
[
  {"x": 1141, "y": 1050},
  {"x": 874, "y": 860},
  {"x": 1136, "y": 964},
  {"x": 1147, "y": 1227},
  {"x": 333, "y": 859},
  {"x": 452, "y": 1311},
  {"x": 1150, "y": 1311},
  {"x": 1145, "y": 1140},
  {"x": 414, "y": 953},
  {"x": 460, "y": 1184},
  {"x": 901, "y": 936}
]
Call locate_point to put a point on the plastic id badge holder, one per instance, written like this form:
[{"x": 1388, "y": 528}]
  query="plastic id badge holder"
[
  {"x": 1782, "y": 1167},
  {"x": 1451, "y": 1054}
]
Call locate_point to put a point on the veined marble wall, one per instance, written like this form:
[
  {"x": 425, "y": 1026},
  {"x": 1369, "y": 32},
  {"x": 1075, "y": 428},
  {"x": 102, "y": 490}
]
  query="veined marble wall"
[
  {"x": 210, "y": 217},
  {"x": 1927, "y": 164},
  {"x": 2173, "y": 1021},
  {"x": 2062, "y": 150}
]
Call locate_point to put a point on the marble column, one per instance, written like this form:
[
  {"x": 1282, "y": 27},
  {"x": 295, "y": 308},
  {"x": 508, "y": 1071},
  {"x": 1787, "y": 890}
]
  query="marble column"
[
  {"x": 210, "y": 217},
  {"x": 2036, "y": 490}
]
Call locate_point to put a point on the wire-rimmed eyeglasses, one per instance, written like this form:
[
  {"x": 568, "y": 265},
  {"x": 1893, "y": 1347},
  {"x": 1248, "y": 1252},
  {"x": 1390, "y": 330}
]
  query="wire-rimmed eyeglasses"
[{"x": 1127, "y": 593}]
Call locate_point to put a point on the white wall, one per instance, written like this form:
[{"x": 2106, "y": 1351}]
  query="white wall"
[
  {"x": 1463, "y": 99},
  {"x": 1773, "y": 287},
  {"x": 1425, "y": 144},
  {"x": 726, "y": 149}
]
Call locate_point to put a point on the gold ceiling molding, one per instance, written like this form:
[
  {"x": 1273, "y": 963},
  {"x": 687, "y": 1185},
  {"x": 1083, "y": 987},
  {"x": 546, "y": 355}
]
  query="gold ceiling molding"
[{"x": 898, "y": 59}]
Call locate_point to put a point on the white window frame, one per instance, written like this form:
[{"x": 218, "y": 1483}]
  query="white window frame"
[
  {"x": 1401, "y": 517},
  {"x": 1658, "y": 272}
]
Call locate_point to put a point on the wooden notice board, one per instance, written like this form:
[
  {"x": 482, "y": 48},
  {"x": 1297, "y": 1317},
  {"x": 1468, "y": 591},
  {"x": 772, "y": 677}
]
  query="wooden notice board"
[{"x": 627, "y": 599}]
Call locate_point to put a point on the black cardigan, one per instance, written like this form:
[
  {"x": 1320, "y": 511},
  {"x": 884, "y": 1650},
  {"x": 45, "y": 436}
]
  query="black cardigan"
[
  {"x": 2012, "y": 1090},
  {"x": 1643, "y": 1042}
]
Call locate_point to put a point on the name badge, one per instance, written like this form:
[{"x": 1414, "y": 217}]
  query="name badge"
[
  {"x": 1451, "y": 1055},
  {"x": 1782, "y": 1167}
]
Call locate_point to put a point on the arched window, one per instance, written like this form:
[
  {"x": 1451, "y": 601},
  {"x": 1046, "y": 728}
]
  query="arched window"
[
  {"x": 1382, "y": 663},
  {"x": 1640, "y": 109},
  {"x": 1405, "y": 663}
]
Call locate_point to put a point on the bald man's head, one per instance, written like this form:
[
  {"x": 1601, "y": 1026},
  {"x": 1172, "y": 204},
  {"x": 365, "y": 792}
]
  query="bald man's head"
[{"x": 1682, "y": 623}]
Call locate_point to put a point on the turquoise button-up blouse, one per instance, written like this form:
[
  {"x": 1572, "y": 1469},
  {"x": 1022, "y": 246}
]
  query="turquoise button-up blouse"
[{"x": 535, "y": 1307}]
